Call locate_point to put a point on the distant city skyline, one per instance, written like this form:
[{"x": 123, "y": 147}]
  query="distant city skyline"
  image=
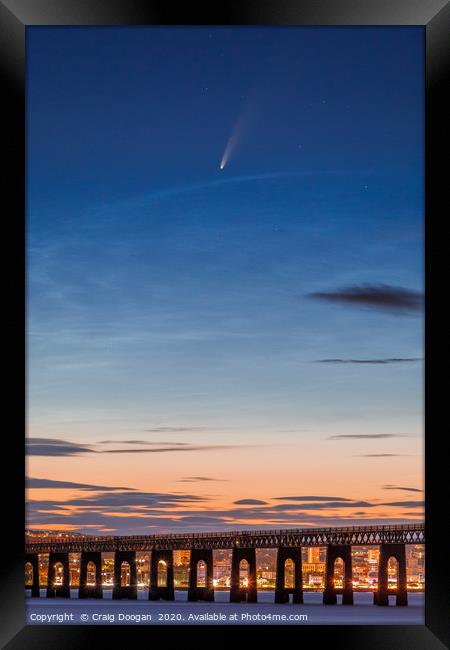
[{"x": 224, "y": 278}]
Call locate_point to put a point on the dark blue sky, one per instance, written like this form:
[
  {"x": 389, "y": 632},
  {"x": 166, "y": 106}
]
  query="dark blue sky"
[
  {"x": 164, "y": 291},
  {"x": 117, "y": 112}
]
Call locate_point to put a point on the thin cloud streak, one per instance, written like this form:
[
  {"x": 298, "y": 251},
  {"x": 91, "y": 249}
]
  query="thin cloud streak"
[
  {"x": 366, "y": 436},
  {"x": 380, "y": 455},
  {"x": 199, "y": 479},
  {"x": 405, "y": 504},
  {"x": 187, "y": 448},
  {"x": 371, "y": 361},
  {"x": 311, "y": 498},
  {"x": 45, "y": 483},
  {"x": 142, "y": 442},
  {"x": 230, "y": 180},
  {"x": 397, "y": 487},
  {"x": 178, "y": 429}
]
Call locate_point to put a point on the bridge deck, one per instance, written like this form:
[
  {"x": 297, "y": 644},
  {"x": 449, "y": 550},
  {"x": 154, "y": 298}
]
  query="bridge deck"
[{"x": 353, "y": 535}]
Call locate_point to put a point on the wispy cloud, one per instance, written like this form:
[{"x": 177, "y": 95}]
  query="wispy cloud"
[
  {"x": 129, "y": 499},
  {"x": 230, "y": 180},
  {"x": 324, "y": 505},
  {"x": 155, "y": 450},
  {"x": 148, "y": 512},
  {"x": 127, "y": 511},
  {"x": 381, "y": 297},
  {"x": 142, "y": 442},
  {"x": 177, "y": 429},
  {"x": 379, "y": 455},
  {"x": 200, "y": 479},
  {"x": 311, "y": 498},
  {"x": 371, "y": 361},
  {"x": 250, "y": 502}
]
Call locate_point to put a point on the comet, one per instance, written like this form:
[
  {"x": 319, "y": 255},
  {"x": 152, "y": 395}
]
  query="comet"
[
  {"x": 235, "y": 136},
  {"x": 249, "y": 108},
  {"x": 229, "y": 148}
]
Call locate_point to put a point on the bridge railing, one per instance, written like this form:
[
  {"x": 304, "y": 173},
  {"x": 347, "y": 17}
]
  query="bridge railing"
[{"x": 233, "y": 533}]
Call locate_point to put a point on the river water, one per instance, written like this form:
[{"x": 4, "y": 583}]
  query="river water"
[{"x": 73, "y": 611}]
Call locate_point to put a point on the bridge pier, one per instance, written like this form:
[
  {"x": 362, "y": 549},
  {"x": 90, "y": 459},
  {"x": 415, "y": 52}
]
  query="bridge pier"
[
  {"x": 335, "y": 551},
  {"x": 58, "y": 590},
  {"x": 33, "y": 559},
  {"x": 381, "y": 597},
  {"x": 238, "y": 593},
  {"x": 281, "y": 591},
  {"x": 85, "y": 590},
  {"x": 201, "y": 593},
  {"x": 158, "y": 591},
  {"x": 119, "y": 590}
]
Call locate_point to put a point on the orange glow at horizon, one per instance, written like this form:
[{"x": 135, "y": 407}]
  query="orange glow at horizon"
[{"x": 291, "y": 470}]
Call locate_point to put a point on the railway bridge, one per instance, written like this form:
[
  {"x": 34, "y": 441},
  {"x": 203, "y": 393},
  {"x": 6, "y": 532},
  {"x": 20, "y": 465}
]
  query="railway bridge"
[{"x": 391, "y": 541}]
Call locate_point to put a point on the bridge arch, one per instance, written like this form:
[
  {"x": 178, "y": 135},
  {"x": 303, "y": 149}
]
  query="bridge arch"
[
  {"x": 162, "y": 573},
  {"x": 289, "y": 570},
  {"x": 143, "y": 568},
  {"x": 386, "y": 568},
  {"x": 91, "y": 578},
  {"x": 91, "y": 581},
  {"x": 244, "y": 573},
  {"x": 57, "y": 574},
  {"x": 29, "y": 574},
  {"x": 31, "y": 570},
  {"x": 125, "y": 574},
  {"x": 288, "y": 579},
  {"x": 201, "y": 573},
  {"x": 392, "y": 571},
  {"x": 338, "y": 555},
  {"x": 338, "y": 572}
]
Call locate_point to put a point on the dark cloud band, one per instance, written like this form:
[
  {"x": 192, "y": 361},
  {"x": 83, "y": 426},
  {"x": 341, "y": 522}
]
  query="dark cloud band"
[
  {"x": 44, "y": 483},
  {"x": 55, "y": 447},
  {"x": 382, "y": 297}
]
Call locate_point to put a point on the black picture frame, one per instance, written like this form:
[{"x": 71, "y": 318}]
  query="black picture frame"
[{"x": 15, "y": 17}]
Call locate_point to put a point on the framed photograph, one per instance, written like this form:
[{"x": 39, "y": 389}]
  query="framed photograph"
[{"x": 224, "y": 222}]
